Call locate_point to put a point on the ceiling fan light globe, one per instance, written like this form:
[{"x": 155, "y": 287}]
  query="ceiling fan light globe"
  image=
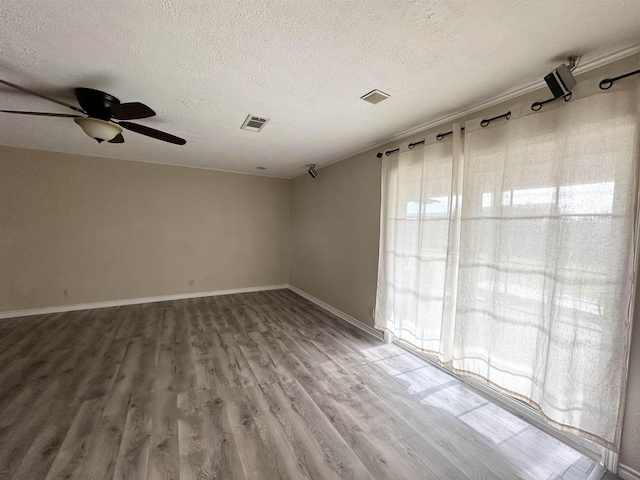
[{"x": 98, "y": 129}]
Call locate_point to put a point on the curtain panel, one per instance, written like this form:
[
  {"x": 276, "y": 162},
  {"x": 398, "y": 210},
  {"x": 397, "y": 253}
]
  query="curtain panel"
[
  {"x": 414, "y": 244},
  {"x": 510, "y": 253}
]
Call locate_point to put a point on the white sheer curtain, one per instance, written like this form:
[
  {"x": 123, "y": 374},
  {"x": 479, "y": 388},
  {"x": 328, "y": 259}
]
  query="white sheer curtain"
[
  {"x": 539, "y": 287},
  {"x": 414, "y": 243}
]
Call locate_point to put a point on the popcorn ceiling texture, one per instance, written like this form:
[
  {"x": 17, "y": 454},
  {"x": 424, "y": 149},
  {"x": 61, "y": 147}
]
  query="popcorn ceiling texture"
[{"x": 203, "y": 66}]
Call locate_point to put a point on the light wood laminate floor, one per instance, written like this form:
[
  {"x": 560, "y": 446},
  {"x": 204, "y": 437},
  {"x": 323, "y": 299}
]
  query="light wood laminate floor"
[{"x": 259, "y": 385}]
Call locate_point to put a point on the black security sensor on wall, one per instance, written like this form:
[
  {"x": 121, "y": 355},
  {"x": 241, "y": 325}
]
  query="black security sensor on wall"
[{"x": 312, "y": 171}]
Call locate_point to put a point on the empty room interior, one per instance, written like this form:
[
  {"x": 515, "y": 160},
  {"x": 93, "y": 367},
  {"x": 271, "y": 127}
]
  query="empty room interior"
[{"x": 381, "y": 239}]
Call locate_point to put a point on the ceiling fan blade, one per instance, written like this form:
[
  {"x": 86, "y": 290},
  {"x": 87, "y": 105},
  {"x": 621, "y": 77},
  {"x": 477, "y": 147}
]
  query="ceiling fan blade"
[
  {"x": 130, "y": 111},
  {"x": 31, "y": 92},
  {"x": 152, "y": 132},
  {"x": 117, "y": 139},
  {"x": 42, "y": 114}
]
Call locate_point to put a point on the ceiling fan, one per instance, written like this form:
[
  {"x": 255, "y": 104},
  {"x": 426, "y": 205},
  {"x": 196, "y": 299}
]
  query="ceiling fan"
[{"x": 102, "y": 110}]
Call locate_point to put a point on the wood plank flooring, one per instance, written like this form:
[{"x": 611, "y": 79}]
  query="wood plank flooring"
[{"x": 257, "y": 386}]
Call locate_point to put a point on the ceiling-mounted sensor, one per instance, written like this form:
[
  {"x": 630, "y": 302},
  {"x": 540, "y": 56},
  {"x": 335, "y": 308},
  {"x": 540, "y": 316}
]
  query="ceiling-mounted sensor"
[
  {"x": 561, "y": 80},
  {"x": 375, "y": 96},
  {"x": 253, "y": 123}
]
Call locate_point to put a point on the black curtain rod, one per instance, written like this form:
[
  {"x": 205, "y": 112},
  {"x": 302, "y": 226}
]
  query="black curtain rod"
[
  {"x": 389, "y": 152},
  {"x": 535, "y": 106},
  {"x": 607, "y": 83},
  {"x": 487, "y": 121},
  {"x": 483, "y": 123},
  {"x": 440, "y": 136}
]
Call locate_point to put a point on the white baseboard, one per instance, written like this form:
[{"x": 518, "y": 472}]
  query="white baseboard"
[
  {"x": 134, "y": 301},
  {"x": 627, "y": 473},
  {"x": 338, "y": 313},
  {"x": 182, "y": 296}
]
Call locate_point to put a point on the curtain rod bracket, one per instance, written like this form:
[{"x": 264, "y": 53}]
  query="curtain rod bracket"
[{"x": 574, "y": 61}]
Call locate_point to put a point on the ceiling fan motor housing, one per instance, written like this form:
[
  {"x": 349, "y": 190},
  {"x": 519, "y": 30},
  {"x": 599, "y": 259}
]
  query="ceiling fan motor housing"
[{"x": 96, "y": 103}]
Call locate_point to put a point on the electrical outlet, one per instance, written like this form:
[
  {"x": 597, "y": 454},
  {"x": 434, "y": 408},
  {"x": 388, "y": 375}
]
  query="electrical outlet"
[
  {"x": 191, "y": 283},
  {"x": 65, "y": 294}
]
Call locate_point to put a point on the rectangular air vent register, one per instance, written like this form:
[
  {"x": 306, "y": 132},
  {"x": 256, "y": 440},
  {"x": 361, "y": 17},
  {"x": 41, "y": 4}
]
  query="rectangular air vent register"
[
  {"x": 253, "y": 123},
  {"x": 375, "y": 96}
]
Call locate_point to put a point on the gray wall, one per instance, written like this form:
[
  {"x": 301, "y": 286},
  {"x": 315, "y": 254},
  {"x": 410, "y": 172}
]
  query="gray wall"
[
  {"x": 78, "y": 229},
  {"x": 335, "y": 223}
]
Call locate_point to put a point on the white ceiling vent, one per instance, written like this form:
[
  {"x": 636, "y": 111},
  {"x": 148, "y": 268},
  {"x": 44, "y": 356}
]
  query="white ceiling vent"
[
  {"x": 254, "y": 124},
  {"x": 375, "y": 96}
]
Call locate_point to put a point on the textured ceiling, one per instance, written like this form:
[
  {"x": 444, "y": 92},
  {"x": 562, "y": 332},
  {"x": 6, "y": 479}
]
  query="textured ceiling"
[{"x": 203, "y": 66}]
